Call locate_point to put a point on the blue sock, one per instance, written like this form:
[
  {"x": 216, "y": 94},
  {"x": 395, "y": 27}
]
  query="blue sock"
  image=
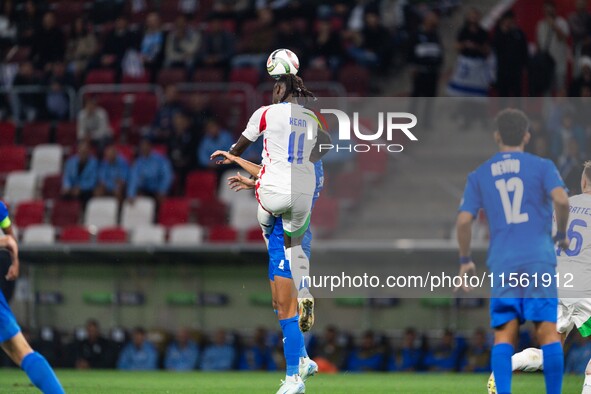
[
  {"x": 291, "y": 344},
  {"x": 501, "y": 366},
  {"x": 303, "y": 352},
  {"x": 40, "y": 373},
  {"x": 553, "y": 367}
]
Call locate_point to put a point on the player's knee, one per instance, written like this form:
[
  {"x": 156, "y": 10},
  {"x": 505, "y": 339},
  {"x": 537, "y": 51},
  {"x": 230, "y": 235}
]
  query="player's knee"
[
  {"x": 17, "y": 348},
  {"x": 588, "y": 369}
]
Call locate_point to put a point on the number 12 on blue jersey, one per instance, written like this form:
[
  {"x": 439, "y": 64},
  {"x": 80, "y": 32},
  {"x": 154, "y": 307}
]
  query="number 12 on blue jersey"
[
  {"x": 291, "y": 147},
  {"x": 512, "y": 207}
]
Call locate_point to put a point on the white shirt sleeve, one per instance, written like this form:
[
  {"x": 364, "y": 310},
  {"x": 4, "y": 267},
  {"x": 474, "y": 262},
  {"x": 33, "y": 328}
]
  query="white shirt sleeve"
[
  {"x": 255, "y": 126},
  {"x": 563, "y": 25}
]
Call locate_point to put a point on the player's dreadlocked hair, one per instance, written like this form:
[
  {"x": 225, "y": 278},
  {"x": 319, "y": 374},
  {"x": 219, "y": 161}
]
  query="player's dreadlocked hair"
[{"x": 294, "y": 86}]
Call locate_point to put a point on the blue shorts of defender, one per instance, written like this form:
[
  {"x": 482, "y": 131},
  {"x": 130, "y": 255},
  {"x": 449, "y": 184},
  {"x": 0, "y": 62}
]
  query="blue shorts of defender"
[
  {"x": 8, "y": 325},
  {"x": 278, "y": 265},
  {"x": 532, "y": 303}
]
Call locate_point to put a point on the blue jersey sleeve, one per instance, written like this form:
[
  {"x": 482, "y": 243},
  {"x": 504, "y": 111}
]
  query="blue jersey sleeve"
[
  {"x": 471, "y": 200},
  {"x": 4, "y": 218},
  {"x": 551, "y": 177}
]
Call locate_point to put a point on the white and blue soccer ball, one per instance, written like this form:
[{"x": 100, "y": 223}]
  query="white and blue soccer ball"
[{"x": 282, "y": 61}]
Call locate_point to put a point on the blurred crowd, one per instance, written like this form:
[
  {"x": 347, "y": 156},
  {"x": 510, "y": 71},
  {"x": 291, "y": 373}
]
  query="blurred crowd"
[
  {"x": 47, "y": 44},
  {"x": 333, "y": 349}
]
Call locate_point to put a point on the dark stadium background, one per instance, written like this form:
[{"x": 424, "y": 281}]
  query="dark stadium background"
[{"x": 212, "y": 281}]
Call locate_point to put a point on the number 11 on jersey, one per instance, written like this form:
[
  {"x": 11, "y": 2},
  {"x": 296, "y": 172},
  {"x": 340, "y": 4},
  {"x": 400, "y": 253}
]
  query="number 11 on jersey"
[{"x": 291, "y": 147}]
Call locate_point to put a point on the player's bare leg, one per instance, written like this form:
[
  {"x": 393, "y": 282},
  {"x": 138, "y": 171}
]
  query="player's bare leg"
[
  {"x": 587, "y": 382},
  {"x": 35, "y": 366},
  {"x": 17, "y": 348},
  {"x": 502, "y": 351},
  {"x": 286, "y": 304},
  {"x": 300, "y": 269}
]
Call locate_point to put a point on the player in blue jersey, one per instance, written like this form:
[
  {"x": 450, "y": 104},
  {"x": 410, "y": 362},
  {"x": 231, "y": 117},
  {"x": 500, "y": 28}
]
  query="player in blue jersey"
[
  {"x": 11, "y": 339},
  {"x": 517, "y": 191},
  {"x": 287, "y": 190},
  {"x": 273, "y": 235}
]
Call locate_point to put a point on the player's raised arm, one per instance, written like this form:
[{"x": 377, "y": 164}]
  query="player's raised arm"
[
  {"x": 248, "y": 166},
  {"x": 561, "y": 209},
  {"x": 240, "y": 146},
  {"x": 255, "y": 126}
]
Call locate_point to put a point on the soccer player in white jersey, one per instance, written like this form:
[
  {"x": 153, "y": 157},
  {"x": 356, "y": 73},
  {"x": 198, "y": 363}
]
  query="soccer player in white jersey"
[
  {"x": 285, "y": 187},
  {"x": 574, "y": 271}
]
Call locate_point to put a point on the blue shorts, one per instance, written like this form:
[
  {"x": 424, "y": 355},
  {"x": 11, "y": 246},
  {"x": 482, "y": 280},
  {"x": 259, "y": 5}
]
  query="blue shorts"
[
  {"x": 8, "y": 325},
  {"x": 278, "y": 265},
  {"x": 537, "y": 302}
]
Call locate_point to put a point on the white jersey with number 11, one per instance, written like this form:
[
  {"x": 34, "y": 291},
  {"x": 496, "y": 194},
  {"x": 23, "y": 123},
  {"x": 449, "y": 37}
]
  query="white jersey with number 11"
[{"x": 289, "y": 131}]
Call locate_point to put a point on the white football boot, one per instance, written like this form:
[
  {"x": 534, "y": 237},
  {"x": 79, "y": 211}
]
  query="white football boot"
[
  {"x": 294, "y": 385},
  {"x": 308, "y": 368}
]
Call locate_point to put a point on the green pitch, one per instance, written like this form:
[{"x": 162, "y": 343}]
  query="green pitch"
[{"x": 77, "y": 382}]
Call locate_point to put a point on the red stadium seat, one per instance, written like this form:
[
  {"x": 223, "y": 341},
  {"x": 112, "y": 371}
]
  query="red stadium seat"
[
  {"x": 172, "y": 76},
  {"x": 349, "y": 188},
  {"x": 35, "y": 133},
  {"x": 201, "y": 185},
  {"x": 212, "y": 213},
  {"x": 173, "y": 211},
  {"x": 75, "y": 234},
  {"x": 112, "y": 235},
  {"x": 7, "y": 133},
  {"x": 100, "y": 76},
  {"x": 29, "y": 212},
  {"x": 66, "y": 12},
  {"x": 66, "y": 213},
  {"x": 160, "y": 148},
  {"x": 127, "y": 151},
  {"x": 14, "y": 158},
  {"x": 113, "y": 104},
  {"x": 208, "y": 74},
  {"x": 317, "y": 75},
  {"x": 254, "y": 235},
  {"x": 248, "y": 75},
  {"x": 169, "y": 10},
  {"x": 144, "y": 109},
  {"x": 143, "y": 79},
  {"x": 222, "y": 234},
  {"x": 66, "y": 134},
  {"x": 325, "y": 218},
  {"x": 373, "y": 165},
  {"x": 52, "y": 187},
  {"x": 355, "y": 79}
]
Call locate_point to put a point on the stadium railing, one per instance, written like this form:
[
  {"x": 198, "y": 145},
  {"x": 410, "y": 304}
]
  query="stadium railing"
[{"x": 13, "y": 93}]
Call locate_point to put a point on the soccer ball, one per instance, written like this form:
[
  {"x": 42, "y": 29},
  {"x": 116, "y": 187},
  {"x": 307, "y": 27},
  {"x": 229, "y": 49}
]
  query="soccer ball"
[
  {"x": 491, "y": 386},
  {"x": 282, "y": 61}
]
